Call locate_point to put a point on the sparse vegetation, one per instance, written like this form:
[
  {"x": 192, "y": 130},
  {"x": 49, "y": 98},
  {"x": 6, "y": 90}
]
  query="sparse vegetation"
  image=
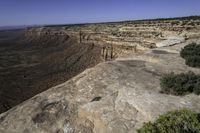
[
  {"x": 180, "y": 84},
  {"x": 175, "y": 22},
  {"x": 179, "y": 121},
  {"x": 191, "y": 54},
  {"x": 197, "y": 87}
]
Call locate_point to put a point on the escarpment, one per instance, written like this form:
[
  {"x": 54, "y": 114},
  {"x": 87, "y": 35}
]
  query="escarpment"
[
  {"x": 140, "y": 33},
  {"x": 123, "y": 36},
  {"x": 32, "y": 64},
  {"x": 115, "y": 96}
]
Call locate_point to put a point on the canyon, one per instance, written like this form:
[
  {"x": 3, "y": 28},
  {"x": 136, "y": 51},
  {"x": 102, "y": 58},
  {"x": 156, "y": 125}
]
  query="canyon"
[{"x": 92, "y": 78}]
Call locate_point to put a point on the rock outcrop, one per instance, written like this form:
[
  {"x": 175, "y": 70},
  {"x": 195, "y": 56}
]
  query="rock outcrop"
[{"x": 114, "y": 96}]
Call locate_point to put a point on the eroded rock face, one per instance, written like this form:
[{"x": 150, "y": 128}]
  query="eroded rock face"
[
  {"x": 114, "y": 96},
  {"x": 143, "y": 34}
]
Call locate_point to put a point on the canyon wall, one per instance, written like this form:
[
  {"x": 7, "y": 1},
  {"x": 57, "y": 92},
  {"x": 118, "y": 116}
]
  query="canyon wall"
[
  {"x": 31, "y": 65},
  {"x": 141, "y": 33},
  {"x": 116, "y": 38}
]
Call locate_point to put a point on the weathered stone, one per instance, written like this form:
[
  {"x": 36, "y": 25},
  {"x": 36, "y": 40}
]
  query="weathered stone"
[{"x": 112, "y": 97}]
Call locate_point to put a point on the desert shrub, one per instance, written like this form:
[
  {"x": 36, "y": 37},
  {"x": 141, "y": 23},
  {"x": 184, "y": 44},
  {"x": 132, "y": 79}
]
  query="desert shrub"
[
  {"x": 180, "y": 84},
  {"x": 179, "y": 121},
  {"x": 193, "y": 61},
  {"x": 191, "y": 54},
  {"x": 197, "y": 87}
]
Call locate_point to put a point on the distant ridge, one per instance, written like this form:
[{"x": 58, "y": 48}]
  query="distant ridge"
[
  {"x": 17, "y": 27},
  {"x": 11, "y": 27},
  {"x": 125, "y": 21},
  {"x": 81, "y": 24}
]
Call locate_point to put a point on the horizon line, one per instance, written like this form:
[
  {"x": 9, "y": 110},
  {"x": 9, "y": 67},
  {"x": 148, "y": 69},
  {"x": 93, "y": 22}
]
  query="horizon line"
[{"x": 100, "y": 22}]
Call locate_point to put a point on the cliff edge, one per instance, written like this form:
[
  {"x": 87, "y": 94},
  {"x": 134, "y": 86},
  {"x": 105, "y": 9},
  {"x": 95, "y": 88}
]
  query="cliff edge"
[{"x": 113, "y": 97}]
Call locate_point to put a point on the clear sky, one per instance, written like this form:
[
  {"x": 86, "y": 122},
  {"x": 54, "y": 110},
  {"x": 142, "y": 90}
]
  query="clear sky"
[{"x": 28, "y": 12}]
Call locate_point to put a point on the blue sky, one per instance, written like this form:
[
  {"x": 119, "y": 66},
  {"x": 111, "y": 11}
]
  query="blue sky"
[{"x": 28, "y": 12}]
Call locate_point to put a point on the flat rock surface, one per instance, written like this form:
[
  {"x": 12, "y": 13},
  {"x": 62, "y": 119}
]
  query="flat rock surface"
[
  {"x": 113, "y": 97},
  {"x": 171, "y": 40}
]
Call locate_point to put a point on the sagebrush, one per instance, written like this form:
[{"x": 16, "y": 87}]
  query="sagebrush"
[
  {"x": 191, "y": 54},
  {"x": 178, "y": 121},
  {"x": 180, "y": 84}
]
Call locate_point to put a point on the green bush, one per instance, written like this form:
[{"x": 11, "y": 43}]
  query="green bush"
[
  {"x": 179, "y": 121},
  {"x": 191, "y": 54},
  {"x": 197, "y": 87},
  {"x": 180, "y": 84},
  {"x": 193, "y": 61}
]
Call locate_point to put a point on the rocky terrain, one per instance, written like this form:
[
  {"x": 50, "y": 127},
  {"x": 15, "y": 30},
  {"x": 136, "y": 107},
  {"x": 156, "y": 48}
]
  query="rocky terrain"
[{"x": 115, "y": 96}]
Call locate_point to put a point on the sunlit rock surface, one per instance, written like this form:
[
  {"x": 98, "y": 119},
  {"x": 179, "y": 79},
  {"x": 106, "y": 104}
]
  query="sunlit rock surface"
[{"x": 113, "y": 97}]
